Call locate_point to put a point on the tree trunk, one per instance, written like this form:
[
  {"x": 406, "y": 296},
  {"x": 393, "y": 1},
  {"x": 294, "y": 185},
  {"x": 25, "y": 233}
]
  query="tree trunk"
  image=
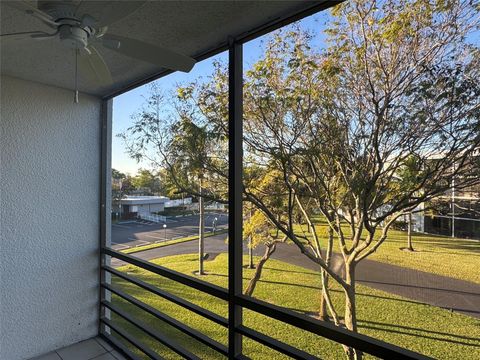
[
  {"x": 201, "y": 230},
  {"x": 326, "y": 301},
  {"x": 323, "y": 314},
  {"x": 269, "y": 250},
  {"x": 409, "y": 233},
  {"x": 250, "y": 253},
  {"x": 250, "y": 249},
  {"x": 350, "y": 308}
]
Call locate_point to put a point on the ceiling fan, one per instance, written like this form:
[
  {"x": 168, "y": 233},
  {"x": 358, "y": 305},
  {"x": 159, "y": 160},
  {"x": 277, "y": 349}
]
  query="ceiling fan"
[{"x": 83, "y": 26}]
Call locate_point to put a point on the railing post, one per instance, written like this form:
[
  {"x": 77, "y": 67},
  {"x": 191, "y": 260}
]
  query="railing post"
[{"x": 235, "y": 189}]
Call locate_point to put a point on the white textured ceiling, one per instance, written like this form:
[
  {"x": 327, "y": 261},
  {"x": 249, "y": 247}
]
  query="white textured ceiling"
[{"x": 188, "y": 27}]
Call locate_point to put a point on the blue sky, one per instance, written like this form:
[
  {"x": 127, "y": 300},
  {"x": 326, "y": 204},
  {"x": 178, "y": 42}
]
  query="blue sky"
[{"x": 127, "y": 104}]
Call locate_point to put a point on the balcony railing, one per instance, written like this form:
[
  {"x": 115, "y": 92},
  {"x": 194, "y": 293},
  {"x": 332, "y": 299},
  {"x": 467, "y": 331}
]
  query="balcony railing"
[{"x": 324, "y": 329}]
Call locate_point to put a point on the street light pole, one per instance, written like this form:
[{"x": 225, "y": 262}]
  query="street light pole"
[{"x": 453, "y": 202}]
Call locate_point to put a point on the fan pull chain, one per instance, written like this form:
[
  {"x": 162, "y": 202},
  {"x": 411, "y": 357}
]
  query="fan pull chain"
[{"x": 76, "y": 77}]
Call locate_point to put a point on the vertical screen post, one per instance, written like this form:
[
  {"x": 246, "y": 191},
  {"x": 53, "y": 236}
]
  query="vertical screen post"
[{"x": 235, "y": 189}]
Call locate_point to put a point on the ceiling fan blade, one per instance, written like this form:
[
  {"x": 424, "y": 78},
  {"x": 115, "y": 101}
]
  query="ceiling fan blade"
[
  {"x": 150, "y": 53},
  {"x": 28, "y": 8},
  {"x": 94, "y": 66},
  {"x": 26, "y": 35},
  {"x": 107, "y": 12}
]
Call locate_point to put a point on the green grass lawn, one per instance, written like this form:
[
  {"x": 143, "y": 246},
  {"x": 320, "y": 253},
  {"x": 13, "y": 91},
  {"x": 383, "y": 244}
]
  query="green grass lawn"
[
  {"x": 452, "y": 257},
  {"x": 169, "y": 242},
  {"x": 433, "y": 331}
]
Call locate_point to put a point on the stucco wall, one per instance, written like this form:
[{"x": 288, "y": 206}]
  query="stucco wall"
[{"x": 50, "y": 168}]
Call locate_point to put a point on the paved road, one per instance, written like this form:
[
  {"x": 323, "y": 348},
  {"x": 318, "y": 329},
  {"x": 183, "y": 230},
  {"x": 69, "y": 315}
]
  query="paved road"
[
  {"x": 441, "y": 291},
  {"x": 135, "y": 233}
]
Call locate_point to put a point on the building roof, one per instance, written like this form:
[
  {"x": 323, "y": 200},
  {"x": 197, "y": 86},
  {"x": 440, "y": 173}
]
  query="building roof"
[{"x": 143, "y": 200}]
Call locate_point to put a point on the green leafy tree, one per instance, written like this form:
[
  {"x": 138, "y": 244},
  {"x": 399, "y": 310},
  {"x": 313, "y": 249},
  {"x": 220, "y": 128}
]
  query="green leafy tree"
[
  {"x": 117, "y": 193},
  {"x": 147, "y": 180},
  {"x": 260, "y": 231},
  {"x": 117, "y": 175},
  {"x": 396, "y": 82},
  {"x": 185, "y": 143},
  {"x": 188, "y": 153}
]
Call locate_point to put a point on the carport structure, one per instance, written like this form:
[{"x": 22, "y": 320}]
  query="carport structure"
[{"x": 55, "y": 282}]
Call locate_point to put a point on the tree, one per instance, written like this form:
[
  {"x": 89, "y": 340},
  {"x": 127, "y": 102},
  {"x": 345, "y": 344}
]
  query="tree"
[
  {"x": 184, "y": 142},
  {"x": 188, "y": 149},
  {"x": 257, "y": 228},
  {"x": 117, "y": 174},
  {"x": 281, "y": 97},
  {"x": 408, "y": 176},
  {"x": 167, "y": 185},
  {"x": 396, "y": 83},
  {"x": 147, "y": 180},
  {"x": 261, "y": 231},
  {"x": 122, "y": 187},
  {"x": 117, "y": 193}
]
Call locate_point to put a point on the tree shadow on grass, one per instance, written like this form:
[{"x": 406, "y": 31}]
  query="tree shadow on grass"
[
  {"x": 407, "y": 330},
  {"x": 423, "y": 333},
  {"x": 360, "y": 293},
  {"x": 273, "y": 282},
  {"x": 470, "y": 245},
  {"x": 419, "y": 287}
]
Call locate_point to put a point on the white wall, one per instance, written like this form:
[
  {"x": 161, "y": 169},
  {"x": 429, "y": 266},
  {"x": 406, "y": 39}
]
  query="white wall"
[
  {"x": 49, "y": 206},
  {"x": 178, "y": 202}
]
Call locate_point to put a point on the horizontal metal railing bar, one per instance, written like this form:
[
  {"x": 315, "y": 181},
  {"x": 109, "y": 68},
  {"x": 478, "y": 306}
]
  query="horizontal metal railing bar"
[
  {"x": 197, "y": 335},
  {"x": 132, "y": 340},
  {"x": 201, "y": 285},
  {"x": 173, "y": 345},
  {"x": 118, "y": 345},
  {"x": 275, "y": 344},
  {"x": 173, "y": 298},
  {"x": 329, "y": 331}
]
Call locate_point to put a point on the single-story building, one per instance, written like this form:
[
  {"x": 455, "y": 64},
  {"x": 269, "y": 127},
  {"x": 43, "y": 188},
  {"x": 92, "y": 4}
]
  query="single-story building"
[{"x": 142, "y": 205}]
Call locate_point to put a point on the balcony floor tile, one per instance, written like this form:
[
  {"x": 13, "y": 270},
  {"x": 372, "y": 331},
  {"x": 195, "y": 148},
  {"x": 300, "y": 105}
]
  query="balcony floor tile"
[
  {"x": 50, "y": 356},
  {"x": 91, "y": 349},
  {"x": 83, "y": 350}
]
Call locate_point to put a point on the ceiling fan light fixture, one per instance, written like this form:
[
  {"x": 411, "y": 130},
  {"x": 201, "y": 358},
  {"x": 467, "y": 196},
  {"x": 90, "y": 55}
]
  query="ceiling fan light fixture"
[
  {"x": 73, "y": 37},
  {"x": 76, "y": 29}
]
